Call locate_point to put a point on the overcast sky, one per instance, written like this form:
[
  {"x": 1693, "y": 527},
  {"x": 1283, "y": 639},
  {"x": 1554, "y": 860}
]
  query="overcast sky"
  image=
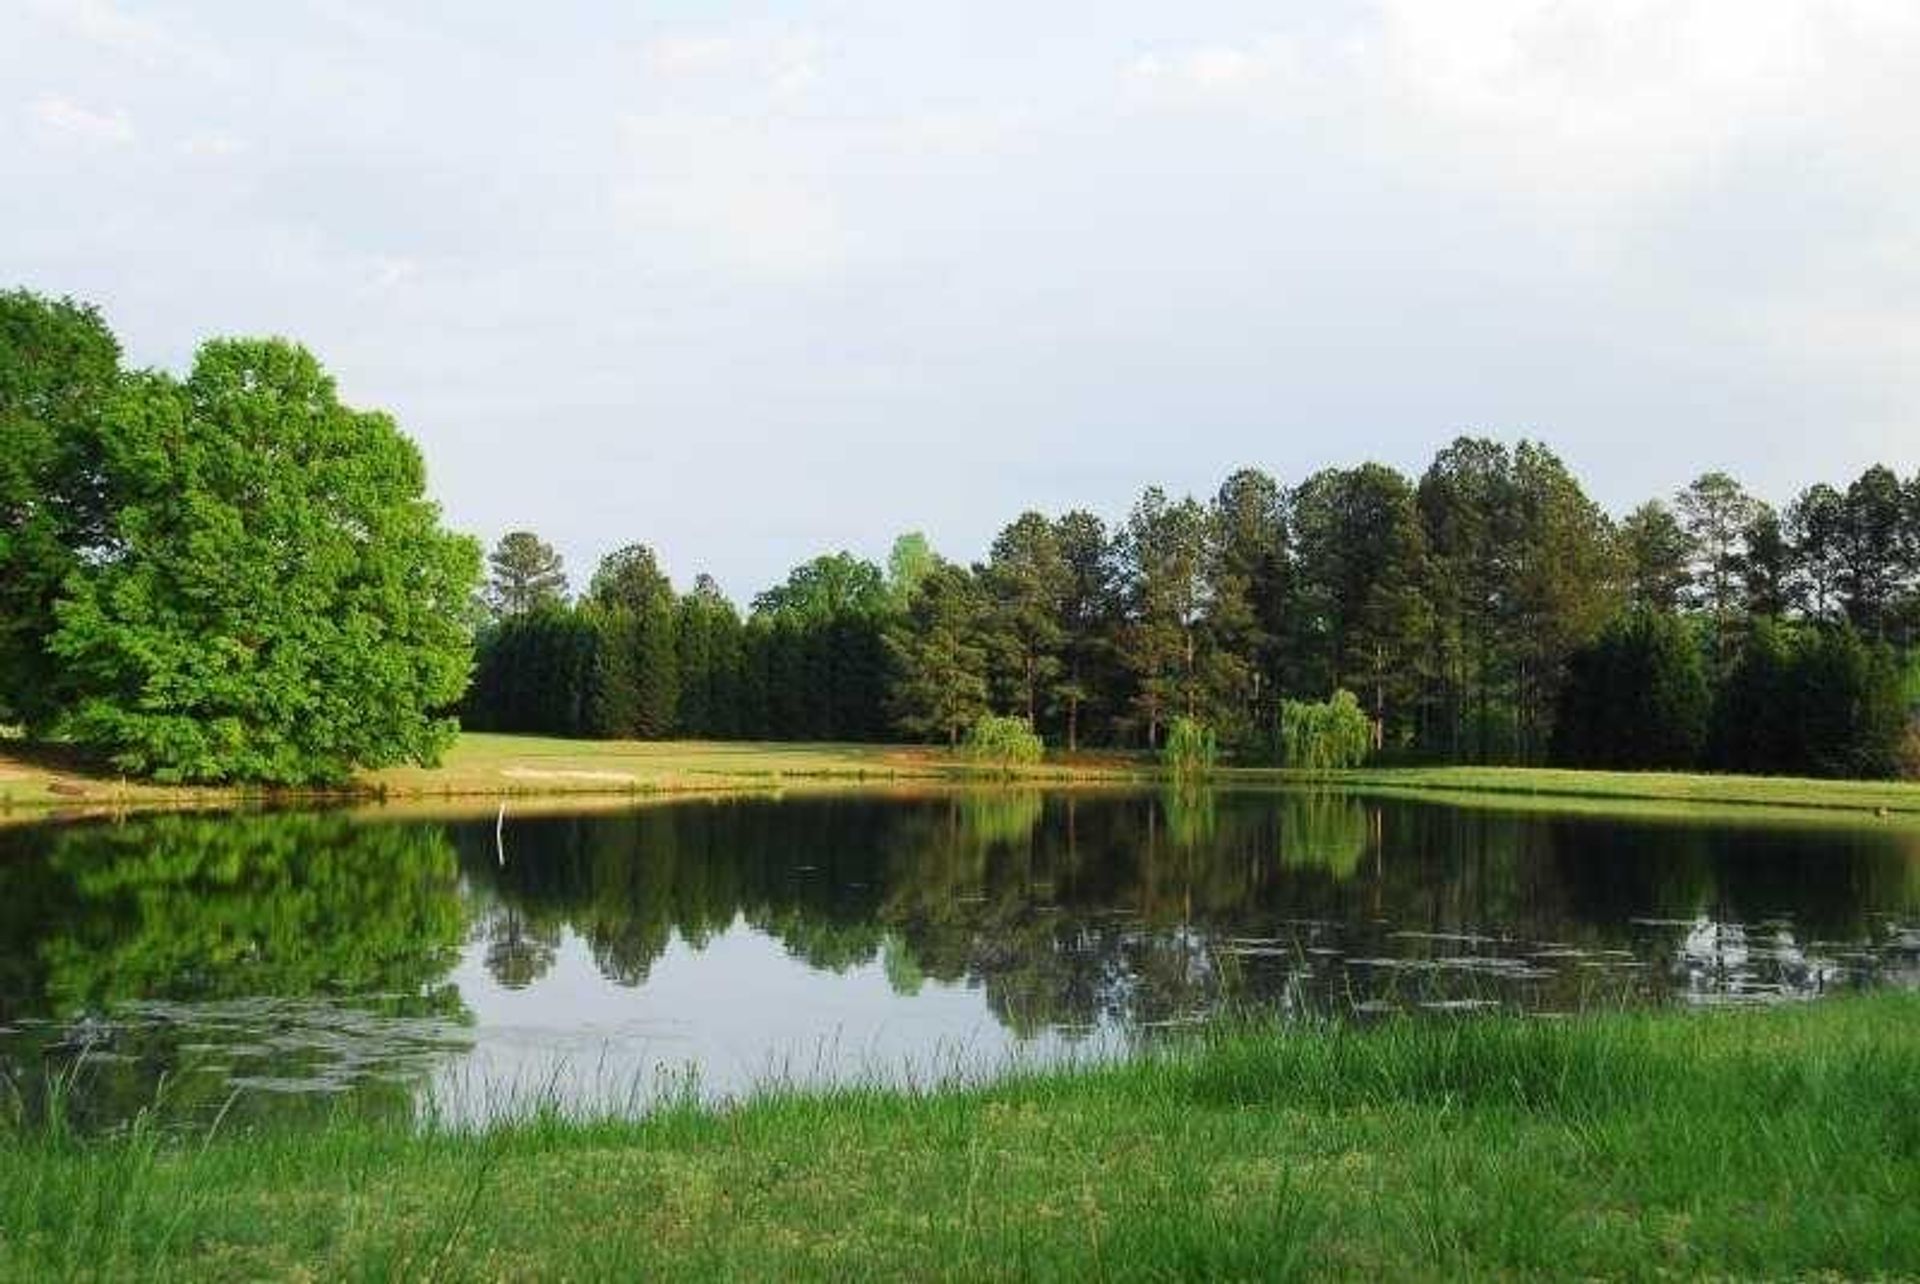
[{"x": 750, "y": 282}]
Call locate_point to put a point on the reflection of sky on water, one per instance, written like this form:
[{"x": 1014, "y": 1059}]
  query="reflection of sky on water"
[{"x": 737, "y": 1013}]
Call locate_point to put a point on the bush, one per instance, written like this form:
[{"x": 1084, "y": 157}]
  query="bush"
[
  {"x": 1004, "y": 742},
  {"x": 1191, "y": 748},
  {"x": 1325, "y": 737}
]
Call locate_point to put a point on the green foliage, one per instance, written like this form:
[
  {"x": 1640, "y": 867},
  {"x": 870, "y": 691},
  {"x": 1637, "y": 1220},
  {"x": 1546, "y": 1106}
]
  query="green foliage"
[
  {"x": 524, "y": 574},
  {"x": 1026, "y": 581},
  {"x": 1656, "y": 551},
  {"x": 1164, "y": 544},
  {"x": 939, "y": 657},
  {"x": 826, "y": 588},
  {"x": 1320, "y": 830},
  {"x": 1492, "y": 613},
  {"x": 59, "y": 373},
  {"x": 1191, "y": 749},
  {"x": 911, "y": 558},
  {"x": 1362, "y": 616},
  {"x": 1637, "y": 697},
  {"x": 1325, "y": 736},
  {"x": 278, "y": 601},
  {"x": 1812, "y": 701},
  {"x": 1004, "y": 742}
]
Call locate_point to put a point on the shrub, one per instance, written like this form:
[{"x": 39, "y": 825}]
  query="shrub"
[
  {"x": 1004, "y": 742},
  {"x": 1190, "y": 750},
  {"x": 1325, "y": 736}
]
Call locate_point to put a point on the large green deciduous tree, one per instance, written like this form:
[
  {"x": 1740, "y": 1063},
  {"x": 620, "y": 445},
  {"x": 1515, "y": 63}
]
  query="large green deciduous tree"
[
  {"x": 276, "y": 600},
  {"x": 59, "y": 370}
]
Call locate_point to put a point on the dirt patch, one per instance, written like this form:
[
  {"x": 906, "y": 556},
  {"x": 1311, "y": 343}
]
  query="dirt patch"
[{"x": 543, "y": 773}]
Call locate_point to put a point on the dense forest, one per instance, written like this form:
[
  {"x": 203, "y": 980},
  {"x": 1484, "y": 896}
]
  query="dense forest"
[{"x": 1487, "y": 611}]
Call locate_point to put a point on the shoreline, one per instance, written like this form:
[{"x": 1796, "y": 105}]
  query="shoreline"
[{"x": 483, "y": 769}]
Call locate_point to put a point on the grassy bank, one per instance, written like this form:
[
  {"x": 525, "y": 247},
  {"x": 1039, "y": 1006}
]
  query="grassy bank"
[
  {"x": 1778, "y": 1144},
  {"x": 481, "y": 767}
]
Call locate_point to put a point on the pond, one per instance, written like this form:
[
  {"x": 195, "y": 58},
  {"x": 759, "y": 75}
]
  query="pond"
[{"x": 286, "y": 965}]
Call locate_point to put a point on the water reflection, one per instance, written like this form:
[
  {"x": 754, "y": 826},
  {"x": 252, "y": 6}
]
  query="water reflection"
[{"x": 268, "y": 964}]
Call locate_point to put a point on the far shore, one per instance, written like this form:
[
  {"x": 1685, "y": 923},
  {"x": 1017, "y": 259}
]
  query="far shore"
[{"x": 482, "y": 771}]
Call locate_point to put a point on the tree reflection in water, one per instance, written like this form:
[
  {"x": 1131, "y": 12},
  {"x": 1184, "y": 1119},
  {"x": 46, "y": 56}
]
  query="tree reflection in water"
[{"x": 301, "y": 954}]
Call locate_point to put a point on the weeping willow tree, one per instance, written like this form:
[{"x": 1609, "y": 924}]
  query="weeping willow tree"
[
  {"x": 1004, "y": 742},
  {"x": 1190, "y": 749},
  {"x": 1325, "y": 736}
]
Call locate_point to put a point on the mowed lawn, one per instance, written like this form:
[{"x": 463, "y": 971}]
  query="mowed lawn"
[
  {"x": 481, "y": 765},
  {"x": 1782, "y": 1144}
]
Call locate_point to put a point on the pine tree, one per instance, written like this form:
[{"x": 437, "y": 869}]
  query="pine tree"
[
  {"x": 940, "y": 658},
  {"x": 524, "y": 574}
]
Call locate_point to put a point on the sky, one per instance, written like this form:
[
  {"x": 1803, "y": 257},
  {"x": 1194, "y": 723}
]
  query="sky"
[{"x": 750, "y": 282}]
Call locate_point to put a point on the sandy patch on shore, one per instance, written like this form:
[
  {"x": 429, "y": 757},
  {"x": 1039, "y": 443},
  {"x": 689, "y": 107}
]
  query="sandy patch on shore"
[{"x": 541, "y": 773}]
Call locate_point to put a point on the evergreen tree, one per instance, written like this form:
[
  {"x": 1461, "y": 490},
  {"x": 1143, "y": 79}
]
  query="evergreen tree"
[
  {"x": 1636, "y": 697},
  {"x": 1163, "y": 551},
  {"x": 1770, "y": 566},
  {"x": 1814, "y": 529},
  {"x": 1089, "y": 615},
  {"x": 1245, "y": 612},
  {"x": 708, "y": 631},
  {"x": 940, "y": 658},
  {"x": 1361, "y": 619},
  {"x": 524, "y": 573},
  {"x": 1716, "y": 514},
  {"x": 1875, "y": 563},
  {"x": 1468, "y": 509},
  {"x": 630, "y": 582},
  {"x": 1026, "y": 581},
  {"x": 1567, "y": 583},
  {"x": 1657, "y": 554}
]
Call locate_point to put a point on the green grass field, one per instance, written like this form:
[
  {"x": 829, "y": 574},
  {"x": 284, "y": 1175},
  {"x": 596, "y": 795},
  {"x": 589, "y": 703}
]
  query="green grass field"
[
  {"x": 482, "y": 766},
  {"x": 1780, "y": 1144}
]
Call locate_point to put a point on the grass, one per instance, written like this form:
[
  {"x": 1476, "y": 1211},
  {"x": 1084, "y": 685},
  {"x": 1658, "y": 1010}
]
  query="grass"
[
  {"x": 1780, "y": 1144},
  {"x": 36, "y": 781}
]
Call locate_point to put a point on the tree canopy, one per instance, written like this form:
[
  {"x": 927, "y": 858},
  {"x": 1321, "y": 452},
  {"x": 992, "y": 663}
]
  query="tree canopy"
[{"x": 278, "y": 601}]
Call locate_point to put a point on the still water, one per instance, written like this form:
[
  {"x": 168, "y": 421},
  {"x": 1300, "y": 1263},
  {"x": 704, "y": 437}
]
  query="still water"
[{"x": 281, "y": 965}]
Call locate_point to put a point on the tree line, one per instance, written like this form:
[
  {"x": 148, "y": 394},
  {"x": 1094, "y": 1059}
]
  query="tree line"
[
  {"x": 1486, "y": 611},
  {"x": 232, "y": 575}
]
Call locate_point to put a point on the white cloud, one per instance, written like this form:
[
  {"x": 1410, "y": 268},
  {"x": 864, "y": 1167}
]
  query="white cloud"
[
  {"x": 783, "y": 64},
  {"x": 735, "y": 193},
  {"x": 1630, "y": 94},
  {"x": 388, "y": 273},
  {"x": 213, "y": 146},
  {"x": 1216, "y": 72},
  {"x": 689, "y": 55},
  {"x": 63, "y": 116},
  {"x": 107, "y": 26}
]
